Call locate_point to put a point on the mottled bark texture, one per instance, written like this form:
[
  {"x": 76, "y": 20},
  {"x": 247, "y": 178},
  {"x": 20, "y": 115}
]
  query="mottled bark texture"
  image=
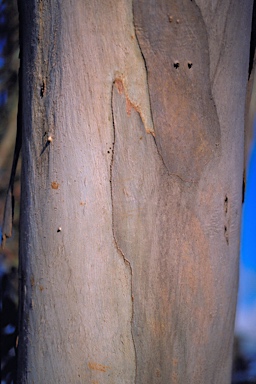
[{"x": 133, "y": 121}]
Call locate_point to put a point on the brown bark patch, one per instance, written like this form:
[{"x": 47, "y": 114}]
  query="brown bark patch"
[
  {"x": 119, "y": 86},
  {"x": 128, "y": 107},
  {"x": 98, "y": 367},
  {"x": 55, "y": 185}
]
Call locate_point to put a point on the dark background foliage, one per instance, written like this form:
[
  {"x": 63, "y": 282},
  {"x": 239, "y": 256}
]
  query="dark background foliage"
[{"x": 9, "y": 63}]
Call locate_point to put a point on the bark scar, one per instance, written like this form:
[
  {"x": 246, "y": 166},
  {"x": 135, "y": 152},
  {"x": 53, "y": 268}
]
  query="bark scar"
[{"x": 119, "y": 85}]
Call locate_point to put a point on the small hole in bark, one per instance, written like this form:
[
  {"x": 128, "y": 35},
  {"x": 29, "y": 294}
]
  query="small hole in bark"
[
  {"x": 190, "y": 64},
  {"x": 226, "y": 204},
  {"x": 176, "y": 64},
  {"x": 108, "y": 151},
  {"x": 226, "y": 233}
]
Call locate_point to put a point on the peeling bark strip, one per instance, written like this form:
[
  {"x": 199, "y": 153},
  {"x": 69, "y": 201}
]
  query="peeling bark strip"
[
  {"x": 129, "y": 105},
  {"x": 173, "y": 40},
  {"x": 118, "y": 85},
  {"x": 167, "y": 272},
  {"x": 135, "y": 100}
]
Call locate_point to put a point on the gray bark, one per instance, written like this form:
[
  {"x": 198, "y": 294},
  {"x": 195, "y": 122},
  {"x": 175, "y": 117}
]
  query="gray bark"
[{"x": 131, "y": 189}]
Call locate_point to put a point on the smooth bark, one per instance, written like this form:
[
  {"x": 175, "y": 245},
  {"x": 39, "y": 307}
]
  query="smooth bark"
[{"x": 133, "y": 117}]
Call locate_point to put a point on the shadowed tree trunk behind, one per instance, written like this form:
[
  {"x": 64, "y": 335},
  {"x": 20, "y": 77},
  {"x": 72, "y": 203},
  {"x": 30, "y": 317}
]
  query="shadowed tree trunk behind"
[{"x": 133, "y": 121}]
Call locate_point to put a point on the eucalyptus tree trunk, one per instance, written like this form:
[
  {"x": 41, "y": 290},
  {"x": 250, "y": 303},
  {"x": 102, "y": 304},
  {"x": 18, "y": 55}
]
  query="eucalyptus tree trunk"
[{"x": 133, "y": 121}]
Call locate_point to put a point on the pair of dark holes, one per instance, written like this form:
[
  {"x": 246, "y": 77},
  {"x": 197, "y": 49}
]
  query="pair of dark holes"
[{"x": 177, "y": 64}]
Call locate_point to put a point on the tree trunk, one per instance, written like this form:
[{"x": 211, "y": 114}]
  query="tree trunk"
[{"x": 133, "y": 116}]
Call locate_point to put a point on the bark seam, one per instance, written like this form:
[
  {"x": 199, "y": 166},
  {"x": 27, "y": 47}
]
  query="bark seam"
[
  {"x": 146, "y": 68},
  {"x": 119, "y": 250}
]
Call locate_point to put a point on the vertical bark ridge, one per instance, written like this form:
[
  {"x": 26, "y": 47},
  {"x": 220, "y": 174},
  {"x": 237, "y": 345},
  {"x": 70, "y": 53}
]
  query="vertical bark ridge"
[{"x": 119, "y": 250}]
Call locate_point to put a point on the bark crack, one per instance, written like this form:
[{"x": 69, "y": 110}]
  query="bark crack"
[{"x": 119, "y": 250}]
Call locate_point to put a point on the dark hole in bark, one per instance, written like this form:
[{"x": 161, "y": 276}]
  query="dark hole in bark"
[
  {"x": 226, "y": 234},
  {"x": 176, "y": 65},
  {"x": 190, "y": 65},
  {"x": 226, "y": 204},
  {"x": 42, "y": 90}
]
